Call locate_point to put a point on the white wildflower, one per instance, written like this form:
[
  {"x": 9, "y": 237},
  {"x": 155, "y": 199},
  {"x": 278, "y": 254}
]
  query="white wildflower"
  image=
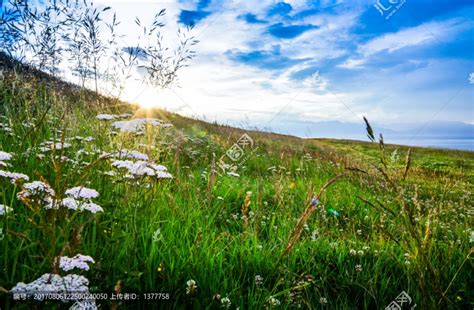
[
  {"x": 258, "y": 280},
  {"x": 158, "y": 167},
  {"x": 80, "y": 192},
  {"x": 225, "y": 303},
  {"x": 5, "y": 209},
  {"x": 73, "y": 204},
  {"x": 109, "y": 173},
  {"x": 54, "y": 284},
  {"x": 13, "y": 176},
  {"x": 79, "y": 261},
  {"x": 91, "y": 207},
  {"x": 123, "y": 164},
  {"x": 274, "y": 302},
  {"x": 163, "y": 175},
  {"x": 70, "y": 203},
  {"x": 358, "y": 268},
  {"x": 142, "y": 168},
  {"x": 133, "y": 155},
  {"x": 53, "y": 145},
  {"x": 323, "y": 300},
  {"x": 135, "y": 125},
  {"x": 191, "y": 287},
  {"x": 353, "y": 252},
  {"x": 36, "y": 188},
  {"x": 5, "y": 156},
  {"x": 105, "y": 117}
]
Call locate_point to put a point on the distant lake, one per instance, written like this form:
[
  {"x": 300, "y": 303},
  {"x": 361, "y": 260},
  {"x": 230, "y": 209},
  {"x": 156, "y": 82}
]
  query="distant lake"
[{"x": 443, "y": 143}]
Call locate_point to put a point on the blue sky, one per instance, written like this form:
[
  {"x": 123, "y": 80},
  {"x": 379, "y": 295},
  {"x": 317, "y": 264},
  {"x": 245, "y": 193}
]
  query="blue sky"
[{"x": 272, "y": 64}]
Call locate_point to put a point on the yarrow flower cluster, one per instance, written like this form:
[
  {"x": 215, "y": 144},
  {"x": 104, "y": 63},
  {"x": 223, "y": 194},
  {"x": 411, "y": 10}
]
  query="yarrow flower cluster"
[
  {"x": 142, "y": 168},
  {"x": 13, "y": 176},
  {"x": 53, "y": 283},
  {"x": 109, "y": 117},
  {"x": 132, "y": 155},
  {"x": 37, "y": 192},
  {"x": 79, "y": 261},
  {"x": 80, "y": 199},
  {"x": 4, "y": 156},
  {"x": 105, "y": 117},
  {"x": 53, "y": 145},
  {"x": 80, "y": 192},
  {"x": 5, "y": 209},
  {"x": 138, "y": 125}
]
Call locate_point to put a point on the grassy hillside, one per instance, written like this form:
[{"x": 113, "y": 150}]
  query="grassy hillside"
[{"x": 383, "y": 227}]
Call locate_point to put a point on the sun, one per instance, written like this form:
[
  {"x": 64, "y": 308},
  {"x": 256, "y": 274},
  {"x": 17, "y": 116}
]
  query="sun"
[{"x": 150, "y": 98}]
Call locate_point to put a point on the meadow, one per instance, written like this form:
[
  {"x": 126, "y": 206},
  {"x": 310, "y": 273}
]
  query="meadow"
[{"x": 143, "y": 197}]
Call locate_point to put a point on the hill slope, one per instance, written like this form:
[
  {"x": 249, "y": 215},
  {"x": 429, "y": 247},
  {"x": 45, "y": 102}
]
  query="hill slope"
[{"x": 212, "y": 235}]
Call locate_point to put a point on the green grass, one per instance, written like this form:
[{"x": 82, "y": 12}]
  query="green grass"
[{"x": 202, "y": 236}]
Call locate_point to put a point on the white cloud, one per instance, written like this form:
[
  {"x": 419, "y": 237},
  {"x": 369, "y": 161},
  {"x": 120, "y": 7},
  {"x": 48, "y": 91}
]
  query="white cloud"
[
  {"x": 218, "y": 89},
  {"x": 352, "y": 64},
  {"x": 422, "y": 34}
]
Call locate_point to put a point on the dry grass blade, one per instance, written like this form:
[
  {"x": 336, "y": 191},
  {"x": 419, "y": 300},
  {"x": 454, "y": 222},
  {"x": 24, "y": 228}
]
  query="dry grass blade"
[
  {"x": 296, "y": 233},
  {"x": 245, "y": 207},
  {"x": 407, "y": 164}
]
